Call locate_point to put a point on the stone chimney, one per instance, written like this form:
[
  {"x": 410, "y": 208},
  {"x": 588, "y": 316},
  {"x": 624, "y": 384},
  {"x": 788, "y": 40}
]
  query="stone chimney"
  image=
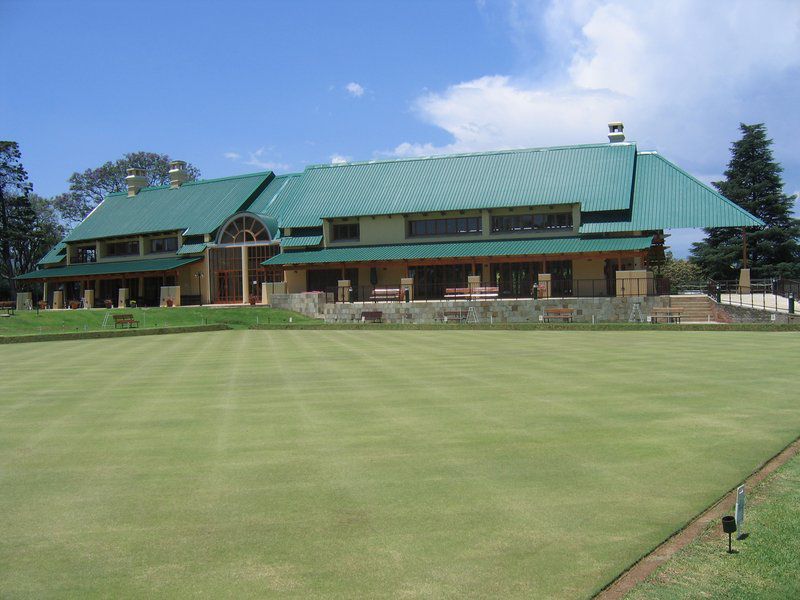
[
  {"x": 136, "y": 180},
  {"x": 615, "y": 134},
  {"x": 177, "y": 174}
]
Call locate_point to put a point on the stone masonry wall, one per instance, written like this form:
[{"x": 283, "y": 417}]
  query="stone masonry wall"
[
  {"x": 307, "y": 303},
  {"x": 497, "y": 311}
]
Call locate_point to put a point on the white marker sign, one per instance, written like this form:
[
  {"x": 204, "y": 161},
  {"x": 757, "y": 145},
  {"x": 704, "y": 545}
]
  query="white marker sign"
[{"x": 740, "y": 511}]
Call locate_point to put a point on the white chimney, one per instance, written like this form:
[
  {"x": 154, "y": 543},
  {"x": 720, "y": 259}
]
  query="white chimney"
[
  {"x": 615, "y": 134},
  {"x": 136, "y": 180},
  {"x": 177, "y": 174}
]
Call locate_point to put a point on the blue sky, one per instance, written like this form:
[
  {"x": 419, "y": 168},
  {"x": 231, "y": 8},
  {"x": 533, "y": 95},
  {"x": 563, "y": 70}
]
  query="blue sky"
[{"x": 236, "y": 87}]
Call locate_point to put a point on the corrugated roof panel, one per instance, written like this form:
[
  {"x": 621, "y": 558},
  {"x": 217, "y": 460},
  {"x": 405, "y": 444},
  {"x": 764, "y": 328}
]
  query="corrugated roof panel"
[
  {"x": 298, "y": 241},
  {"x": 111, "y": 268},
  {"x": 667, "y": 197},
  {"x": 572, "y": 245},
  {"x": 56, "y": 255},
  {"x": 269, "y": 201},
  {"x": 191, "y": 249},
  {"x": 598, "y": 176},
  {"x": 196, "y": 207}
]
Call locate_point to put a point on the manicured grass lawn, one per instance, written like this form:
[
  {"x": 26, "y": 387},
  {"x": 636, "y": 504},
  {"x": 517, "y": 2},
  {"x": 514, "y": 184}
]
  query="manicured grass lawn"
[
  {"x": 387, "y": 464},
  {"x": 767, "y": 561},
  {"x": 63, "y": 321}
]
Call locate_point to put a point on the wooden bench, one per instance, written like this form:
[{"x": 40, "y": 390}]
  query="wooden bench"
[
  {"x": 565, "y": 315},
  {"x": 372, "y": 316},
  {"x": 8, "y": 306},
  {"x": 459, "y": 316},
  {"x": 665, "y": 315},
  {"x": 385, "y": 294},
  {"x": 475, "y": 293},
  {"x": 122, "y": 320},
  {"x": 485, "y": 292}
]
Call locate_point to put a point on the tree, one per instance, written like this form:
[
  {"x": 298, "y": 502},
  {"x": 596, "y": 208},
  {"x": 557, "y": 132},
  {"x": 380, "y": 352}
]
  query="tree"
[
  {"x": 87, "y": 189},
  {"x": 16, "y": 212},
  {"x": 680, "y": 273},
  {"x": 753, "y": 181}
]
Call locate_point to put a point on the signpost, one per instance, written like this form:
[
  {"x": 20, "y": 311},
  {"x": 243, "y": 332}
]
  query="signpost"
[{"x": 740, "y": 511}]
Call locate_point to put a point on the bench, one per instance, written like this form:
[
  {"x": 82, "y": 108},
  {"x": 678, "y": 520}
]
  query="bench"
[
  {"x": 474, "y": 293},
  {"x": 665, "y": 315},
  {"x": 122, "y": 320},
  {"x": 446, "y": 316},
  {"x": 565, "y": 315},
  {"x": 8, "y": 307},
  {"x": 385, "y": 294},
  {"x": 372, "y": 316}
]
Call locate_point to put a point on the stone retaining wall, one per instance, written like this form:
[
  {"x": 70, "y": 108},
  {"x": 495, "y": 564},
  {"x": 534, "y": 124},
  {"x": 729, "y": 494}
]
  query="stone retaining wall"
[
  {"x": 497, "y": 311},
  {"x": 307, "y": 303}
]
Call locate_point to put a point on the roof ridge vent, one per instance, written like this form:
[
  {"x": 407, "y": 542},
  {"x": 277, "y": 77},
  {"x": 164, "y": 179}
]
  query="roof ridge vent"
[
  {"x": 615, "y": 135},
  {"x": 136, "y": 180}
]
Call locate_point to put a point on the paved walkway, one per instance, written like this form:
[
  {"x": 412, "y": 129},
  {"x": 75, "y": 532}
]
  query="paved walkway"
[{"x": 770, "y": 302}]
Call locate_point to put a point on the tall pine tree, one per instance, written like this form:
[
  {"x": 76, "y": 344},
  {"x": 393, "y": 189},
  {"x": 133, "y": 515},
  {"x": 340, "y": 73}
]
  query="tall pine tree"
[{"x": 753, "y": 181}]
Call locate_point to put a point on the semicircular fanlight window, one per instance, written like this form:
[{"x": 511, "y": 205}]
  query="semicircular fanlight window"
[{"x": 244, "y": 230}]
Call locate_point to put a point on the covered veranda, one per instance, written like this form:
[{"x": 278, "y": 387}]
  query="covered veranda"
[{"x": 90, "y": 285}]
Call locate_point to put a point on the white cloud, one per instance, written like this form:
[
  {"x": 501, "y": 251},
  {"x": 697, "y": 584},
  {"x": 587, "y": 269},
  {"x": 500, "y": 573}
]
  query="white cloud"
[
  {"x": 354, "y": 89},
  {"x": 680, "y": 74},
  {"x": 258, "y": 160},
  {"x": 339, "y": 159},
  {"x": 232, "y": 155}
]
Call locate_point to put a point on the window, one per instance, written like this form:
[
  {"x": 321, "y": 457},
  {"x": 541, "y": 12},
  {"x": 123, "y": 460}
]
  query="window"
[
  {"x": 169, "y": 244},
  {"x": 305, "y": 231},
  {"x": 531, "y": 222},
  {"x": 345, "y": 232},
  {"x": 244, "y": 230},
  {"x": 456, "y": 226},
  {"x": 85, "y": 254},
  {"x": 193, "y": 239},
  {"x": 122, "y": 248}
]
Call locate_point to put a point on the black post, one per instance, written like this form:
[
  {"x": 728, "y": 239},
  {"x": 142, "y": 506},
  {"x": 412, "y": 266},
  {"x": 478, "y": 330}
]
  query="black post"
[
  {"x": 791, "y": 303},
  {"x": 718, "y": 294}
]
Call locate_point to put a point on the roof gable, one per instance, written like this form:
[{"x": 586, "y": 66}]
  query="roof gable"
[
  {"x": 598, "y": 176},
  {"x": 667, "y": 197},
  {"x": 196, "y": 207}
]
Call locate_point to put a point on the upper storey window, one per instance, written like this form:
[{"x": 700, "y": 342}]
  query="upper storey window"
[
  {"x": 169, "y": 244},
  {"x": 454, "y": 226},
  {"x": 122, "y": 248},
  {"x": 244, "y": 230},
  {"x": 85, "y": 254},
  {"x": 346, "y": 232},
  {"x": 535, "y": 222}
]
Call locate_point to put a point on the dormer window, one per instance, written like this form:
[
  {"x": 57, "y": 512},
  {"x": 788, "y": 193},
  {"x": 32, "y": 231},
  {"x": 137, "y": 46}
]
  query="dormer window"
[{"x": 346, "y": 232}]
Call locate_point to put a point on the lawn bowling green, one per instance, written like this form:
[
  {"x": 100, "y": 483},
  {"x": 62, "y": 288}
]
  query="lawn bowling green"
[{"x": 373, "y": 463}]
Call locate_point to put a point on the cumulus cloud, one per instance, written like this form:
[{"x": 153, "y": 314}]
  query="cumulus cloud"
[
  {"x": 232, "y": 155},
  {"x": 354, "y": 89},
  {"x": 680, "y": 74},
  {"x": 339, "y": 159}
]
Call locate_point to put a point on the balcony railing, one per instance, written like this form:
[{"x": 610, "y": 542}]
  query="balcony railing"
[{"x": 776, "y": 295}]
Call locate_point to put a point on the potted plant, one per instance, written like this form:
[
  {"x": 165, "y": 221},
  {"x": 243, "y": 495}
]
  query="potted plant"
[
  {"x": 74, "y": 304},
  {"x": 253, "y": 299},
  {"x": 108, "y": 303},
  {"x": 170, "y": 302}
]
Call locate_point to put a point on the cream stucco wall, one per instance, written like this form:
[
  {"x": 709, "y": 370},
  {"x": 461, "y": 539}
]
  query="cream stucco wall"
[
  {"x": 295, "y": 281},
  {"x": 391, "y": 229}
]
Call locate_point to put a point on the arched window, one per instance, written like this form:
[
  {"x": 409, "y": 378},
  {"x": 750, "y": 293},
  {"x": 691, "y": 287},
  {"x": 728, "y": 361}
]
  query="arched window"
[{"x": 245, "y": 229}]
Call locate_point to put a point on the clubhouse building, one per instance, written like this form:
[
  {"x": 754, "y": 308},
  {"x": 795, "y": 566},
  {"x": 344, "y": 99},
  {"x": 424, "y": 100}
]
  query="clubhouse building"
[{"x": 558, "y": 222}]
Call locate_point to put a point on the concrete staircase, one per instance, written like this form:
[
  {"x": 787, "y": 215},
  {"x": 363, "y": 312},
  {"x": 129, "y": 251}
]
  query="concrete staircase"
[{"x": 696, "y": 308}]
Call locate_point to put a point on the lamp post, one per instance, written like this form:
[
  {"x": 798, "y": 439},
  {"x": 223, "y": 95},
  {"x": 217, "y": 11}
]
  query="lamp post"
[{"x": 199, "y": 276}]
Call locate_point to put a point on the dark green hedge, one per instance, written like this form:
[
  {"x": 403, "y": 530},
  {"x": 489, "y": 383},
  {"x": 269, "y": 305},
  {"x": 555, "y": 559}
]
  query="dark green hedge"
[{"x": 91, "y": 335}]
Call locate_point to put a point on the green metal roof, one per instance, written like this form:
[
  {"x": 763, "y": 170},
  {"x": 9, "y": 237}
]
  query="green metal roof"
[
  {"x": 56, "y": 255},
  {"x": 667, "y": 197},
  {"x": 191, "y": 249},
  {"x": 270, "y": 200},
  {"x": 196, "y": 207},
  {"x": 598, "y": 176},
  {"x": 111, "y": 268},
  {"x": 298, "y": 241},
  {"x": 572, "y": 245}
]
